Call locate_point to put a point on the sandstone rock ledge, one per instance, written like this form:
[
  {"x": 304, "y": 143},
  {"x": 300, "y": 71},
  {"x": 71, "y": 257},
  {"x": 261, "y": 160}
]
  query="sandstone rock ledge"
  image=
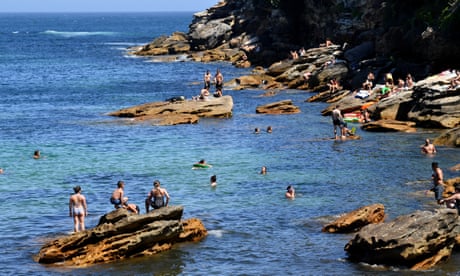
[
  {"x": 178, "y": 112},
  {"x": 354, "y": 221},
  {"x": 120, "y": 235},
  {"x": 281, "y": 107},
  {"x": 417, "y": 241}
]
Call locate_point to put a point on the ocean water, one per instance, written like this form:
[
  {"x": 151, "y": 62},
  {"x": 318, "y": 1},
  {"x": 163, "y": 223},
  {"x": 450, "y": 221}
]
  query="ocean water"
[{"x": 60, "y": 74}]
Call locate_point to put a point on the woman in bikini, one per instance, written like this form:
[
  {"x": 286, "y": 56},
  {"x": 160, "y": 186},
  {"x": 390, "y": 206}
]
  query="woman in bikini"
[{"x": 78, "y": 209}]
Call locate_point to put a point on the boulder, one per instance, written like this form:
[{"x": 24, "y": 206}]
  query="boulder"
[
  {"x": 355, "y": 220},
  {"x": 449, "y": 138},
  {"x": 176, "y": 43},
  {"x": 178, "y": 112},
  {"x": 435, "y": 105},
  {"x": 418, "y": 241},
  {"x": 281, "y": 107},
  {"x": 121, "y": 235},
  {"x": 395, "y": 107},
  {"x": 211, "y": 34},
  {"x": 389, "y": 126}
]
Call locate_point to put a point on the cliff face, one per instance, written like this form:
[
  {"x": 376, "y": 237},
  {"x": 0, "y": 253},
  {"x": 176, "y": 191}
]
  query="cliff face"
[{"x": 416, "y": 31}]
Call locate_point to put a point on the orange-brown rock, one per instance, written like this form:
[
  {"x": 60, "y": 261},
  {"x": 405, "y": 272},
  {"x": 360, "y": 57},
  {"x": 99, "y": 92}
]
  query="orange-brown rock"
[
  {"x": 120, "y": 235},
  {"x": 164, "y": 45},
  {"x": 449, "y": 138},
  {"x": 450, "y": 186},
  {"x": 281, "y": 107},
  {"x": 389, "y": 126},
  {"x": 178, "y": 112},
  {"x": 355, "y": 220}
]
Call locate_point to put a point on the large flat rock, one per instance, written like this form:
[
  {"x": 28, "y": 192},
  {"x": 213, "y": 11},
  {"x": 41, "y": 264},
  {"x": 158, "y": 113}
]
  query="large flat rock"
[{"x": 178, "y": 112}]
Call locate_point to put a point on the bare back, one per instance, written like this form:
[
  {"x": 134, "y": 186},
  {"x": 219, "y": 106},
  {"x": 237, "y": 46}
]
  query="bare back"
[
  {"x": 117, "y": 194},
  {"x": 77, "y": 200}
]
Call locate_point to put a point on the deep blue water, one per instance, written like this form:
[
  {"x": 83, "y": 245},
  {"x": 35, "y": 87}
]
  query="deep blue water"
[{"x": 60, "y": 74}]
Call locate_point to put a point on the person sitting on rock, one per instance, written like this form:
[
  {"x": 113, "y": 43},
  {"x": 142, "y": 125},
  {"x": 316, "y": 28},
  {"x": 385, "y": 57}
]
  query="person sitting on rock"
[
  {"x": 453, "y": 200},
  {"x": 327, "y": 43},
  {"x": 120, "y": 201},
  {"x": 156, "y": 197},
  {"x": 409, "y": 81},
  {"x": 454, "y": 82},
  {"x": 369, "y": 83},
  {"x": 204, "y": 94},
  {"x": 400, "y": 86},
  {"x": 333, "y": 86}
]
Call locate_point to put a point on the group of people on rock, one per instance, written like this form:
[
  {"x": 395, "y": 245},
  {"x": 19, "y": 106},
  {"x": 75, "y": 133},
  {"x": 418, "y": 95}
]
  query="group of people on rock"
[
  {"x": 157, "y": 198},
  {"x": 295, "y": 54},
  {"x": 391, "y": 87},
  {"x": 219, "y": 83}
]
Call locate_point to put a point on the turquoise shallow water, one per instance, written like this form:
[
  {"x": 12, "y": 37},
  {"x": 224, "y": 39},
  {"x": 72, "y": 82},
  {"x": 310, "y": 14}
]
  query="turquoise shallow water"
[{"x": 60, "y": 74}]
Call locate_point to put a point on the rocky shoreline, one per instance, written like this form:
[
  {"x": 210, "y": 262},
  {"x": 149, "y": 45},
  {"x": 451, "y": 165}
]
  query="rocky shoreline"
[
  {"x": 120, "y": 235},
  {"x": 428, "y": 103},
  {"x": 234, "y": 31},
  {"x": 218, "y": 34}
]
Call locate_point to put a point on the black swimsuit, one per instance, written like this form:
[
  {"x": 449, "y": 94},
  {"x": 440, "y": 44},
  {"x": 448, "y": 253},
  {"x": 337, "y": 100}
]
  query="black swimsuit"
[{"x": 158, "y": 202}]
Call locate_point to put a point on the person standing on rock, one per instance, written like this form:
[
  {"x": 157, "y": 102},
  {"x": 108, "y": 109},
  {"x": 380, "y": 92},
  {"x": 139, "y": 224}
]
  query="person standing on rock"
[
  {"x": 207, "y": 80},
  {"x": 156, "y": 197},
  {"x": 337, "y": 120},
  {"x": 219, "y": 79},
  {"x": 78, "y": 209},
  {"x": 438, "y": 183}
]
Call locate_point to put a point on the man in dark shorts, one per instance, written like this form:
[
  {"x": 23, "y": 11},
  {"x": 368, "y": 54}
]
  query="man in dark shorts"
[
  {"x": 219, "y": 78},
  {"x": 337, "y": 120}
]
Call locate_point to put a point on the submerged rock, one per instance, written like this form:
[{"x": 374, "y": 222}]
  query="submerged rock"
[{"x": 281, "y": 107}]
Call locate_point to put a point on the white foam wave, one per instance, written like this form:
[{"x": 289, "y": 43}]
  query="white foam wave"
[
  {"x": 121, "y": 43},
  {"x": 75, "y": 34},
  {"x": 216, "y": 233}
]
